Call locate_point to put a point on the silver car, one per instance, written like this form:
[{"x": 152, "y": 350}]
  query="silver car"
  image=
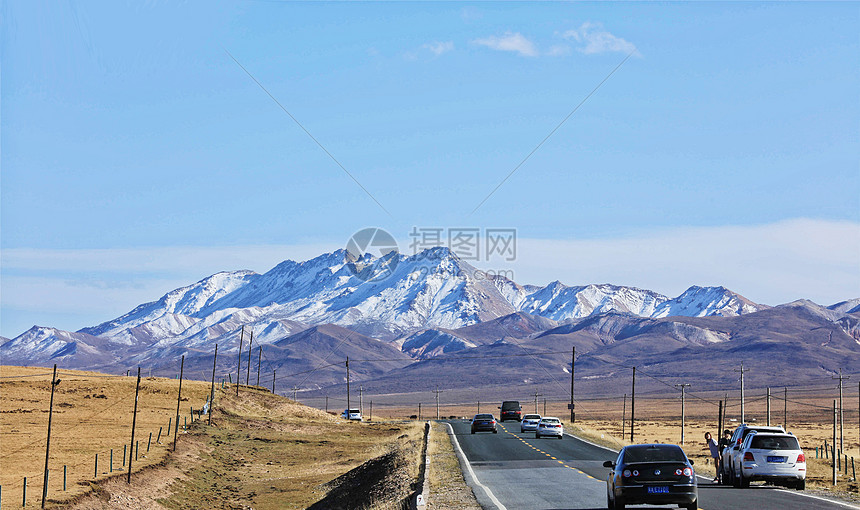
[
  {"x": 529, "y": 423},
  {"x": 549, "y": 426},
  {"x": 772, "y": 457}
]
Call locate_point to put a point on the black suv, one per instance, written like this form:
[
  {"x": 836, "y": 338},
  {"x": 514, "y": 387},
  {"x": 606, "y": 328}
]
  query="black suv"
[{"x": 511, "y": 410}]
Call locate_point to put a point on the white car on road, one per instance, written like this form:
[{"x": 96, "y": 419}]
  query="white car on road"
[
  {"x": 549, "y": 426},
  {"x": 351, "y": 414},
  {"x": 529, "y": 423},
  {"x": 773, "y": 457}
]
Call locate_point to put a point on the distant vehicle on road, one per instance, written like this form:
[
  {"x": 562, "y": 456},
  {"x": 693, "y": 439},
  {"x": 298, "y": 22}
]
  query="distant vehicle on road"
[
  {"x": 731, "y": 464},
  {"x": 511, "y": 410},
  {"x": 351, "y": 414},
  {"x": 529, "y": 423},
  {"x": 773, "y": 457},
  {"x": 549, "y": 426},
  {"x": 654, "y": 474},
  {"x": 484, "y": 423}
]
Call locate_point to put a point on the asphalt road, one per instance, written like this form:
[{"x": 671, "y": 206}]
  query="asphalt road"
[{"x": 513, "y": 470}]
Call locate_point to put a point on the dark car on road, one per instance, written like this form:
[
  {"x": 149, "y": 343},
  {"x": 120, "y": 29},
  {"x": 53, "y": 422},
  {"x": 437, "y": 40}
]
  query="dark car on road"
[
  {"x": 484, "y": 423},
  {"x": 511, "y": 410},
  {"x": 655, "y": 474}
]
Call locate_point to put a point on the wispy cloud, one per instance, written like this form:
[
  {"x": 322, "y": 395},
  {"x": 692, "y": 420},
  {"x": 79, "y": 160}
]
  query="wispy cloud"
[
  {"x": 438, "y": 48},
  {"x": 511, "y": 41},
  {"x": 594, "y": 39}
]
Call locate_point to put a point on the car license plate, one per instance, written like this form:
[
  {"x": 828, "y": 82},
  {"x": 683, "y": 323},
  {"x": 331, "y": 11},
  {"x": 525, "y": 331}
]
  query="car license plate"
[
  {"x": 657, "y": 490},
  {"x": 776, "y": 459}
]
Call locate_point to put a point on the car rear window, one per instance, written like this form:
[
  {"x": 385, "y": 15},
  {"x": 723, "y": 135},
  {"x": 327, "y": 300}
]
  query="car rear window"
[
  {"x": 774, "y": 443},
  {"x": 550, "y": 420},
  {"x": 653, "y": 453},
  {"x": 483, "y": 416},
  {"x": 532, "y": 417},
  {"x": 511, "y": 405}
]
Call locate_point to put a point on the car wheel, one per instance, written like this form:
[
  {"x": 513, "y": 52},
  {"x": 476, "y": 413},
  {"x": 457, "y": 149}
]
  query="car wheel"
[
  {"x": 800, "y": 485},
  {"x": 619, "y": 504},
  {"x": 693, "y": 506},
  {"x": 473, "y": 432},
  {"x": 537, "y": 436},
  {"x": 609, "y": 503},
  {"x": 495, "y": 431},
  {"x": 744, "y": 483}
]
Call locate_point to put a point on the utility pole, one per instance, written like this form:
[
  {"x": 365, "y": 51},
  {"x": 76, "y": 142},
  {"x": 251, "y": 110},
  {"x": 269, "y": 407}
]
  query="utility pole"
[
  {"x": 239, "y": 365},
  {"x": 259, "y": 363},
  {"x": 326, "y": 403},
  {"x": 742, "y": 370},
  {"x": 833, "y": 457},
  {"x": 437, "y": 392},
  {"x": 54, "y": 383},
  {"x": 361, "y": 399},
  {"x": 295, "y": 389},
  {"x": 683, "y": 387},
  {"x": 768, "y": 406},
  {"x": 179, "y": 400},
  {"x": 841, "y": 413},
  {"x": 632, "y": 404},
  {"x": 248, "y": 374},
  {"x": 785, "y": 408},
  {"x": 133, "y": 423},
  {"x": 572, "y": 404},
  {"x": 347, "y": 386},
  {"x": 536, "y": 401},
  {"x": 720, "y": 420},
  {"x": 212, "y": 389}
]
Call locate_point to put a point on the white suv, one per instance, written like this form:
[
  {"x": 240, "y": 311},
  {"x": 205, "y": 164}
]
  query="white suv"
[
  {"x": 731, "y": 464},
  {"x": 772, "y": 457},
  {"x": 351, "y": 414}
]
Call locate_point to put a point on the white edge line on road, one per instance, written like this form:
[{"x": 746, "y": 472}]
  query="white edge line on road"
[
  {"x": 796, "y": 493},
  {"x": 471, "y": 473},
  {"x": 833, "y": 501}
]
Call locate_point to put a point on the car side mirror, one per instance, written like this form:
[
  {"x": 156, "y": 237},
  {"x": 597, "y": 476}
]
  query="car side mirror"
[
  {"x": 691, "y": 461},
  {"x": 609, "y": 464}
]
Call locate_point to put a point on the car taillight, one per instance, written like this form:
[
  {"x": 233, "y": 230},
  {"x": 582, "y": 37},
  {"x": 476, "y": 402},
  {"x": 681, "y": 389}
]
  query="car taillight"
[
  {"x": 801, "y": 458},
  {"x": 678, "y": 472},
  {"x": 748, "y": 457},
  {"x": 626, "y": 473},
  {"x": 493, "y": 422},
  {"x": 688, "y": 472},
  {"x": 635, "y": 473}
]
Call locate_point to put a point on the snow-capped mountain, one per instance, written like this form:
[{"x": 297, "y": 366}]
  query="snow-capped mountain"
[
  {"x": 704, "y": 301},
  {"x": 433, "y": 289},
  {"x": 559, "y": 302}
]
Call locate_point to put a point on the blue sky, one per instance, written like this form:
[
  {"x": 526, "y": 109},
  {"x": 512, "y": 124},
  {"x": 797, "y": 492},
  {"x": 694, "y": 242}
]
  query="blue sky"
[{"x": 137, "y": 156}]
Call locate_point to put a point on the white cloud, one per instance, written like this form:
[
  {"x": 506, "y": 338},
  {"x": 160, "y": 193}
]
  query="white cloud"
[
  {"x": 438, "y": 48},
  {"x": 514, "y": 42},
  {"x": 772, "y": 264},
  {"x": 594, "y": 39}
]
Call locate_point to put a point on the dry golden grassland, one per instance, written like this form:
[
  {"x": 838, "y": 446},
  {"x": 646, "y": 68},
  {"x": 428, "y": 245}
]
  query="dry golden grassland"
[
  {"x": 92, "y": 414},
  {"x": 262, "y": 451},
  {"x": 448, "y": 489}
]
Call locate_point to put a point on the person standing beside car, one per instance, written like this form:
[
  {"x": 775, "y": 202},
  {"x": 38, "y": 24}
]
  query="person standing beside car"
[
  {"x": 725, "y": 441},
  {"x": 715, "y": 454}
]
